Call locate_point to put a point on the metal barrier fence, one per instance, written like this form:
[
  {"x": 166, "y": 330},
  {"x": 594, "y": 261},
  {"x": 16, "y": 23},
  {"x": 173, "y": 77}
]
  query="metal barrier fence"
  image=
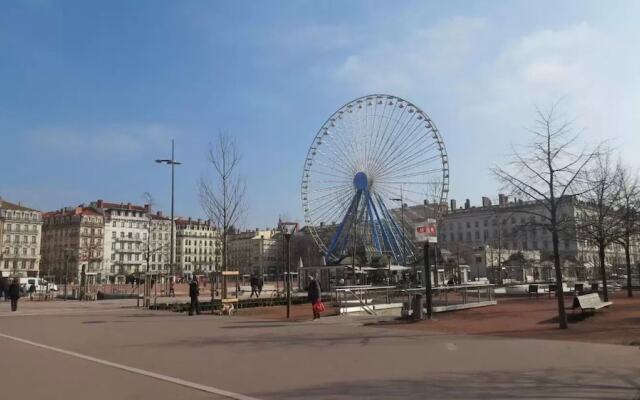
[
  {"x": 373, "y": 299},
  {"x": 449, "y": 298}
]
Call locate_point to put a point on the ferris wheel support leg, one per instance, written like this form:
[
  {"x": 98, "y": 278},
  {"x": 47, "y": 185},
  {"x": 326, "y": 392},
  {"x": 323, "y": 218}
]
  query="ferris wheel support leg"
[
  {"x": 374, "y": 232},
  {"x": 385, "y": 235},
  {"x": 337, "y": 245},
  {"x": 405, "y": 243}
]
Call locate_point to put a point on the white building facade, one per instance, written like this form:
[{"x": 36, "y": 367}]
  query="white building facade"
[
  {"x": 21, "y": 239},
  {"x": 159, "y": 243},
  {"x": 255, "y": 251},
  {"x": 126, "y": 231},
  {"x": 198, "y": 249}
]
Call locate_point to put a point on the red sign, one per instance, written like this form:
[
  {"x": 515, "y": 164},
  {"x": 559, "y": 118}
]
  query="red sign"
[{"x": 426, "y": 231}]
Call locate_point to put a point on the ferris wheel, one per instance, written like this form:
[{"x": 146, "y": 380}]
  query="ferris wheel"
[{"x": 372, "y": 159}]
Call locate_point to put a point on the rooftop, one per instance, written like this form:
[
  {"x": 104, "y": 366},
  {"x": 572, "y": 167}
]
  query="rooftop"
[{"x": 5, "y": 205}]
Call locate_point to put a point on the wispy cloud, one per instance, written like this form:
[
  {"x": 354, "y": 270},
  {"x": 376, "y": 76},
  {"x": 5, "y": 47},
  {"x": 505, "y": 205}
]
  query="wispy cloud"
[
  {"x": 487, "y": 84},
  {"x": 413, "y": 62},
  {"x": 123, "y": 141}
]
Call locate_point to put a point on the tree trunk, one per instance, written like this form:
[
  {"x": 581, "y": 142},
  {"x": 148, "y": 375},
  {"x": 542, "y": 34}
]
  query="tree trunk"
[
  {"x": 603, "y": 272},
  {"x": 562, "y": 316},
  {"x": 629, "y": 280}
]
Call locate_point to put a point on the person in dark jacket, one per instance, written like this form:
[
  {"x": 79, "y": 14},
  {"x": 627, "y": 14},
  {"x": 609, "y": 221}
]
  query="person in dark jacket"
[
  {"x": 314, "y": 294},
  {"x": 14, "y": 294},
  {"x": 4, "y": 287},
  {"x": 32, "y": 290},
  {"x": 254, "y": 285},
  {"x": 260, "y": 285},
  {"x": 194, "y": 291}
]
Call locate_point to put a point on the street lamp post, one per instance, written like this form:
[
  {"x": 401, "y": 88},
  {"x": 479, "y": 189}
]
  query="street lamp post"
[
  {"x": 66, "y": 271},
  {"x": 288, "y": 229},
  {"x": 401, "y": 200},
  {"x": 173, "y": 163}
]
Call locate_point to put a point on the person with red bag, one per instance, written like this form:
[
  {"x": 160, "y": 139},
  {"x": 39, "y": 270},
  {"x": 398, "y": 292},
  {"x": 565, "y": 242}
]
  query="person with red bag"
[{"x": 315, "y": 297}]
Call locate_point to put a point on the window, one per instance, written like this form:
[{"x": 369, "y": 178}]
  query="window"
[{"x": 113, "y": 224}]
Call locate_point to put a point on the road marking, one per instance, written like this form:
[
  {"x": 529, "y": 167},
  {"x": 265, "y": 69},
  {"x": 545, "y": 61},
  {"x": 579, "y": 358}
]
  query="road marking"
[{"x": 170, "y": 379}]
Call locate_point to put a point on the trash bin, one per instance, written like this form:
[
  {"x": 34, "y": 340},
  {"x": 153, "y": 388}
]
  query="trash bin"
[{"x": 417, "y": 306}]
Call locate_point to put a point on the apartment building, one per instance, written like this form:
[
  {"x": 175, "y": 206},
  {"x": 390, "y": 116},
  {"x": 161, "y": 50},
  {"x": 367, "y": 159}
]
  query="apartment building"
[
  {"x": 198, "y": 248},
  {"x": 255, "y": 251},
  {"x": 73, "y": 244},
  {"x": 512, "y": 226},
  {"x": 159, "y": 243},
  {"x": 125, "y": 237},
  {"x": 21, "y": 236}
]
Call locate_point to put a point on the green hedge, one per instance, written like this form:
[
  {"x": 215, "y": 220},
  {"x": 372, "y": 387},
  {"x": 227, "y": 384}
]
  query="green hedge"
[{"x": 217, "y": 305}]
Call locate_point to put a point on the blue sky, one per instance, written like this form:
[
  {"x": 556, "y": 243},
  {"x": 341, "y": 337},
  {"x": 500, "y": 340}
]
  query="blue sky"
[{"x": 92, "y": 92}]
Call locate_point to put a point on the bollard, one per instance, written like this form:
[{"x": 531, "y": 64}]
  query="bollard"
[{"x": 418, "y": 307}]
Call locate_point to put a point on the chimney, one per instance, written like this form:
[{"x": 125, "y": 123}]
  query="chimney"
[
  {"x": 453, "y": 205},
  {"x": 189, "y": 219},
  {"x": 159, "y": 213},
  {"x": 99, "y": 203},
  {"x": 486, "y": 202},
  {"x": 128, "y": 206},
  {"x": 147, "y": 207},
  {"x": 467, "y": 204},
  {"x": 199, "y": 221}
]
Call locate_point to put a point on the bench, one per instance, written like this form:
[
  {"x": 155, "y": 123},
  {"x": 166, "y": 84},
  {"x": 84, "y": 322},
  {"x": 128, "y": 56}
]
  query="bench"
[
  {"x": 552, "y": 288},
  {"x": 589, "y": 302},
  {"x": 533, "y": 289}
]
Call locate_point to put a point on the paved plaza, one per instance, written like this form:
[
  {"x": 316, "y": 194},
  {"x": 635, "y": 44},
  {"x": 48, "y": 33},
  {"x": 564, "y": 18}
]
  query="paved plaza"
[{"x": 112, "y": 350}]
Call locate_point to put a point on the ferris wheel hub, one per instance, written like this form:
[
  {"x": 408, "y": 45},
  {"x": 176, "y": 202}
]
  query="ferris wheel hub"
[{"x": 361, "y": 181}]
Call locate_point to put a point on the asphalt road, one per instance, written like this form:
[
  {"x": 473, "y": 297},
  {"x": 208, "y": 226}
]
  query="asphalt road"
[{"x": 103, "y": 351}]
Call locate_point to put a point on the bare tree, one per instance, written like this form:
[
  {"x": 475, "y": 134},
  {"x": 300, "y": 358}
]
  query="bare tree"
[
  {"x": 629, "y": 217},
  {"x": 222, "y": 195},
  {"x": 546, "y": 172},
  {"x": 598, "y": 218}
]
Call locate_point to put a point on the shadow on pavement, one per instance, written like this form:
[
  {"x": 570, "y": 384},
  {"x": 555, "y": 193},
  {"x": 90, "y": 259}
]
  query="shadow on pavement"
[
  {"x": 584, "y": 383},
  {"x": 313, "y": 340},
  {"x": 255, "y": 326}
]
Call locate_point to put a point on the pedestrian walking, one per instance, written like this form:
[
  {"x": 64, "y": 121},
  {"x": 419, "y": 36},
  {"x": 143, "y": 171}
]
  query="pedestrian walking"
[
  {"x": 254, "y": 285},
  {"x": 172, "y": 289},
  {"x": 4, "y": 288},
  {"x": 32, "y": 290},
  {"x": 194, "y": 292},
  {"x": 260, "y": 285},
  {"x": 314, "y": 295},
  {"x": 14, "y": 294}
]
